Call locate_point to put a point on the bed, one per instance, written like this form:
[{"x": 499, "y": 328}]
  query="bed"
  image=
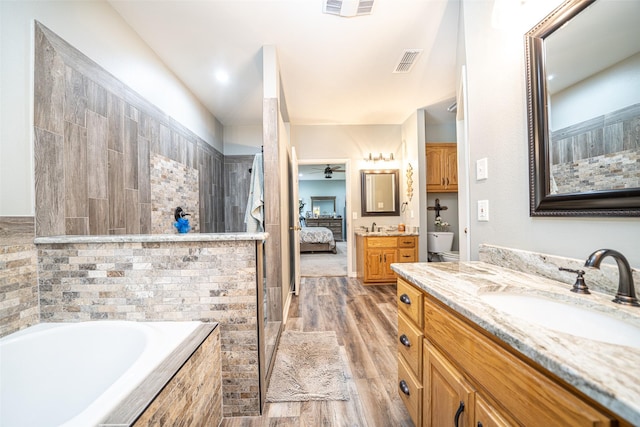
[{"x": 317, "y": 239}]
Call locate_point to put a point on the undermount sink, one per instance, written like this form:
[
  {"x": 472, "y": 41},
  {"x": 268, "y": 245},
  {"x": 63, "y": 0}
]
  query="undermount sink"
[{"x": 566, "y": 318}]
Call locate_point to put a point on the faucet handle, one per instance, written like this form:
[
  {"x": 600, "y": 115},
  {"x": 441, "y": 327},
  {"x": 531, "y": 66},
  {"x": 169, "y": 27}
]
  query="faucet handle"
[{"x": 580, "y": 287}]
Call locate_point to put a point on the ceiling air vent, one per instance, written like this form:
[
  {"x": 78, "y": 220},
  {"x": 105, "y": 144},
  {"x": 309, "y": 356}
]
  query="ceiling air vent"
[
  {"x": 347, "y": 8},
  {"x": 407, "y": 59}
]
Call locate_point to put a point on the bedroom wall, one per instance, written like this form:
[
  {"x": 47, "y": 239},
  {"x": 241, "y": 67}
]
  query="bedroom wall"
[{"x": 327, "y": 187}]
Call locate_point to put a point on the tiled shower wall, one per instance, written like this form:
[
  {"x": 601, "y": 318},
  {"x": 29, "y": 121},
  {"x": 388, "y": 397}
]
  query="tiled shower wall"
[
  {"x": 94, "y": 140},
  {"x": 172, "y": 184},
  {"x": 237, "y": 183},
  {"x": 599, "y": 154}
]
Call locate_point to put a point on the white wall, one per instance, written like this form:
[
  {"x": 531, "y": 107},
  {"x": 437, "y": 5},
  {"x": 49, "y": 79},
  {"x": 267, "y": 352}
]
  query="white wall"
[
  {"x": 594, "y": 94},
  {"x": 95, "y": 29},
  {"x": 497, "y": 124},
  {"x": 325, "y": 187},
  {"x": 242, "y": 140},
  {"x": 353, "y": 143}
]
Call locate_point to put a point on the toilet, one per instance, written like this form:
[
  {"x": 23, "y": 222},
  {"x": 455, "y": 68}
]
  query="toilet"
[{"x": 439, "y": 244}]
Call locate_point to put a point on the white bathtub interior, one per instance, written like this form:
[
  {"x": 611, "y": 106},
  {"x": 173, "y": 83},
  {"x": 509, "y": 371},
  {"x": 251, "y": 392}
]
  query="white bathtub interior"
[{"x": 74, "y": 374}]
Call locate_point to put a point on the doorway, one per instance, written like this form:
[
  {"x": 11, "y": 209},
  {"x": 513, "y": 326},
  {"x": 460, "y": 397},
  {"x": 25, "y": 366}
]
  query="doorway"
[{"x": 323, "y": 202}]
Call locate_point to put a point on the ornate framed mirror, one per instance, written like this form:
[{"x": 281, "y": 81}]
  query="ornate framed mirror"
[{"x": 583, "y": 97}]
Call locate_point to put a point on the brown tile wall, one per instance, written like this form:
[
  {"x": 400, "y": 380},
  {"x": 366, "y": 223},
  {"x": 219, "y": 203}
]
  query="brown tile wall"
[
  {"x": 237, "y": 183},
  {"x": 18, "y": 275},
  {"x": 193, "y": 397},
  {"x": 206, "y": 281},
  {"x": 94, "y": 140}
]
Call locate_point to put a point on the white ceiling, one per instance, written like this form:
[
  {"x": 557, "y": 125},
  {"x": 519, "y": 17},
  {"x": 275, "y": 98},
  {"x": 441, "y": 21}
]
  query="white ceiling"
[{"x": 334, "y": 70}]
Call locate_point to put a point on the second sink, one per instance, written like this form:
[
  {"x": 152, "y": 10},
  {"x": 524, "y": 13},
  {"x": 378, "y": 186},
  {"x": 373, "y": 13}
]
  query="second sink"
[{"x": 566, "y": 318}]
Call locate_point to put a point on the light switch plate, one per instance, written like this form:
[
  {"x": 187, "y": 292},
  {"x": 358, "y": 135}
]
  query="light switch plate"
[
  {"x": 483, "y": 210},
  {"x": 354, "y": 215},
  {"x": 482, "y": 169}
]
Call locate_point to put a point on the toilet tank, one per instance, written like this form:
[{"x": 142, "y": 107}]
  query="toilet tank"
[{"x": 439, "y": 241}]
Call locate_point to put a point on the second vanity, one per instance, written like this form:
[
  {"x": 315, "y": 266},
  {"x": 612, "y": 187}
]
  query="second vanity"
[
  {"x": 478, "y": 346},
  {"x": 376, "y": 251}
]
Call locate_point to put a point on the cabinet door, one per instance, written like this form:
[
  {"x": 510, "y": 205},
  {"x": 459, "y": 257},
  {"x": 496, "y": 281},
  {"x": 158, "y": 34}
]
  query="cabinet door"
[
  {"x": 374, "y": 266},
  {"x": 448, "y": 399},
  {"x": 442, "y": 167},
  {"x": 435, "y": 169},
  {"x": 451, "y": 161},
  {"x": 488, "y": 416},
  {"x": 389, "y": 256}
]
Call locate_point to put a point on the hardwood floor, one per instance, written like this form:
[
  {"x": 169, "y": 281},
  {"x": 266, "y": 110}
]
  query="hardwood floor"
[{"x": 365, "y": 321}]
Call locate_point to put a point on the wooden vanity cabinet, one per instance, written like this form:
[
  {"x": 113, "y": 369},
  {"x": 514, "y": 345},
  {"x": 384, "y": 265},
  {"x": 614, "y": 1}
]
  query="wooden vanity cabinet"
[
  {"x": 375, "y": 254},
  {"x": 442, "y": 167},
  {"x": 498, "y": 386},
  {"x": 409, "y": 342}
]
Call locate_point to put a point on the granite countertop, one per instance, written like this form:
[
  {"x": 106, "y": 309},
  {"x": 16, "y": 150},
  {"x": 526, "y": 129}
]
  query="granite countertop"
[
  {"x": 383, "y": 233},
  {"x": 605, "y": 372},
  {"x": 153, "y": 238}
]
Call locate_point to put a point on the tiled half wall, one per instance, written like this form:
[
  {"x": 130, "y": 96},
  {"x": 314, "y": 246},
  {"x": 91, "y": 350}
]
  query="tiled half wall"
[
  {"x": 209, "y": 281},
  {"x": 94, "y": 139}
]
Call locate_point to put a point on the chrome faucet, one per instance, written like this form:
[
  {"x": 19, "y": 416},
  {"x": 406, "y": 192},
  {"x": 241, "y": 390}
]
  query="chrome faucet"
[
  {"x": 626, "y": 290},
  {"x": 373, "y": 227}
]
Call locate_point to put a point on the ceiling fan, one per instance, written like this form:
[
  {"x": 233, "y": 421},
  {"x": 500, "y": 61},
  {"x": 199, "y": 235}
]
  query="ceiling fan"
[{"x": 329, "y": 170}]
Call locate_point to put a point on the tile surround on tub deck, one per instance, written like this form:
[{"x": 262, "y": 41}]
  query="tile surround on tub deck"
[{"x": 205, "y": 277}]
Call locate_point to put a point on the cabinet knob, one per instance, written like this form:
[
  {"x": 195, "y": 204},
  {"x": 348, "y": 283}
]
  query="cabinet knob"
[
  {"x": 404, "y": 298},
  {"x": 405, "y": 341},
  {"x": 404, "y": 387}
]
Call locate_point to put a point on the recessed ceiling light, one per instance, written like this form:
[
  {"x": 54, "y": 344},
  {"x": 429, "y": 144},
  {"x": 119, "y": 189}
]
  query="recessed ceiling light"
[{"x": 222, "y": 76}]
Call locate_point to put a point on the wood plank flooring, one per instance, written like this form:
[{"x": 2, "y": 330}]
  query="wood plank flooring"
[{"x": 365, "y": 321}]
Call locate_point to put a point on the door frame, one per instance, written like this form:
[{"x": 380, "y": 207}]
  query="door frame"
[{"x": 347, "y": 199}]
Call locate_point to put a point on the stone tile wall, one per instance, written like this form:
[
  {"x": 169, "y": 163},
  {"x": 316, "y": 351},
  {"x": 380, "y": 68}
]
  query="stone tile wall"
[
  {"x": 202, "y": 280},
  {"x": 172, "y": 184},
  {"x": 93, "y": 142},
  {"x": 599, "y": 154},
  {"x": 19, "y": 307},
  {"x": 193, "y": 397}
]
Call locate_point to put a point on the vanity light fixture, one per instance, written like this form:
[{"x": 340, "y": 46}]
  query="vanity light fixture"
[{"x": 373, "y": 158}]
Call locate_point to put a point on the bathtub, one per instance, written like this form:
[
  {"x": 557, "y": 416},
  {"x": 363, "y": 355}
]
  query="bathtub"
[{"x": 75, "y": 374}]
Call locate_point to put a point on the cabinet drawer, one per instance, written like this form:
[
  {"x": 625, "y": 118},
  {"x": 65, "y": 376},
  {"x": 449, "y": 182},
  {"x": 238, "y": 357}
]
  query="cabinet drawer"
[
  {"x": 382, "y": 242},
  {"x": 407, "y": 255},
  {"x": 523, "y": 389},
  {"x": 410, "y": 344},
  {"x": 410, "y": 391},
  {"x": 410, "y": 302},
  {"x": 406, "y": 242}
]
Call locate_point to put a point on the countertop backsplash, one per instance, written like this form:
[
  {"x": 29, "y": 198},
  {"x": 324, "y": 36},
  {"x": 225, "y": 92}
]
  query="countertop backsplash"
[{"x": 603, "y": 280}]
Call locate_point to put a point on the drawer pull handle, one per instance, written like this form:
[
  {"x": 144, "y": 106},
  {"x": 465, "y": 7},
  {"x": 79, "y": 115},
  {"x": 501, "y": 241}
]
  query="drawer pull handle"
[
  {"x": 406, "y": 256},
  {"x": 405, "y": 341},
  {"x": 480, "y": 424},
  {"x": 405, "y": 299},
  {"x": 404, "y": 388},
  {"x": 458, "y": 413}
]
